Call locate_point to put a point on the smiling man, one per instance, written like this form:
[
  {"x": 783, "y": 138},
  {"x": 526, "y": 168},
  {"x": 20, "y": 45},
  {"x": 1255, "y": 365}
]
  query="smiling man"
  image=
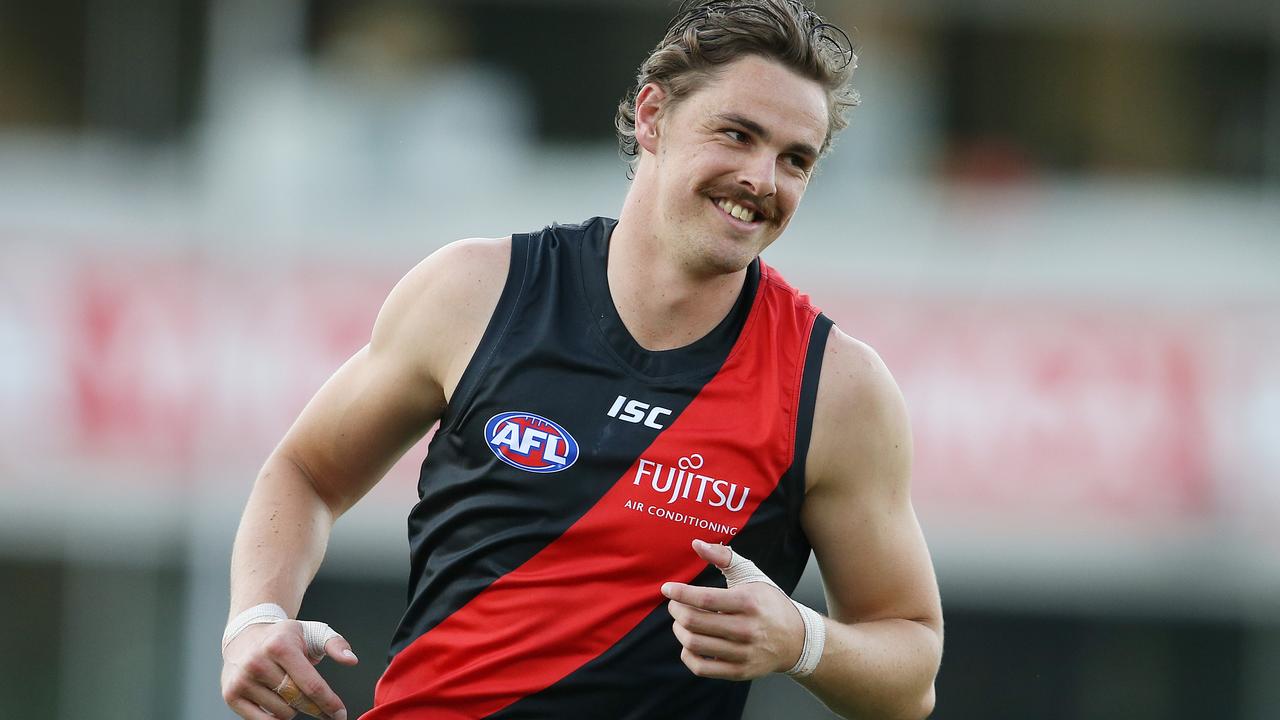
[{"x": 644, "y": 432}]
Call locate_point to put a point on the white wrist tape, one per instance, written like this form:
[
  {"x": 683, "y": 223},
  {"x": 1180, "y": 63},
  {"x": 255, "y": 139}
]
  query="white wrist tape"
[
  {"x": 815, "y": 641},
  {"x": 256, "y": 615},
  {"x": 314, "y": 633},
  {"x": 742, "y": 571}
]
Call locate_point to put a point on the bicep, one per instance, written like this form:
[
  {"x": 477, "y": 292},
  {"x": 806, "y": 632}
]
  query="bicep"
[
  {"x": 360, "y": 422},
  {"x": 387, "y": 395},
  {"x": 857, "y": 512}
]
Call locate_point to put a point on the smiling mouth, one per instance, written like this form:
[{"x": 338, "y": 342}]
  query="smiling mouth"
[{"x": 738, "y": 212}]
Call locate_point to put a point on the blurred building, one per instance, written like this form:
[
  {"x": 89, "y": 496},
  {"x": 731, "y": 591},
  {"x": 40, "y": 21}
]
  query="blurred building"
[{"x": 1059, "y": 224}]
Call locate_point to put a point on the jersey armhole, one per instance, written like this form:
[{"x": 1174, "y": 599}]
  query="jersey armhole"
[
  {"x": 792, "y": 549},
  {"x": 809, "y": 392},
  {"x": 494, "y": 332}
]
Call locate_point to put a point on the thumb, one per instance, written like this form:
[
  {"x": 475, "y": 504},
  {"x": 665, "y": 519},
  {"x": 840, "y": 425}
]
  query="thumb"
[
  {"x": 737, "y": 570},
  {"x": 340, "y": 650},
  {"x": 716, "y": 554}
]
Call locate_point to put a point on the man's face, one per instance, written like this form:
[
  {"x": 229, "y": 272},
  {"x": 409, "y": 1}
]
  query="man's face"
[{"x": 733, "y": 160}]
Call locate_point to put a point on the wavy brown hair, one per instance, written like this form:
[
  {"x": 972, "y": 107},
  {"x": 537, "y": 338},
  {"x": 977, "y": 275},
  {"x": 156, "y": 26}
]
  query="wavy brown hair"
[{"x": 707, "y": 34}]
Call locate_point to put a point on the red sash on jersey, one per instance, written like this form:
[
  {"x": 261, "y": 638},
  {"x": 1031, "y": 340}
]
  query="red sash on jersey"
[{"x": 580, "y": 594}]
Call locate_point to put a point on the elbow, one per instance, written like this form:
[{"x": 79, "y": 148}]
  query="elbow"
[
  {"x": 917, "y": 707},
  {"x": 307, "y": 478},
  {"x": 926, "y": 705},
  {"x": 921, "y": 705}
]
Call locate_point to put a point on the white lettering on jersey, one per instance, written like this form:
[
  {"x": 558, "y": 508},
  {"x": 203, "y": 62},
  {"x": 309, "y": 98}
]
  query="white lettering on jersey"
[
  {"x": 637, "y": 412},
  {"x": 531, "y": 438},
  {"x": 682, "y": 480}
]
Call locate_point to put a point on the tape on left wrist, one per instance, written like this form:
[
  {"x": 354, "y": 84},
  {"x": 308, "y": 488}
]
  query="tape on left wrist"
[
  {"x": 815, "y": 641},
  {"x": 741, "y": 571}
]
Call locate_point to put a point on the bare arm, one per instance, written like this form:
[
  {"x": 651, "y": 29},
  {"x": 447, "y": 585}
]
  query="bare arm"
[
  {"x": 375, "y": 407},
  {"x": 884, "y": 632}
]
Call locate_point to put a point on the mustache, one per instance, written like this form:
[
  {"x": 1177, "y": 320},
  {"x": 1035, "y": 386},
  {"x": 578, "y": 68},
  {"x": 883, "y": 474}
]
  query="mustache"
[{"x": 765, "y": 206}]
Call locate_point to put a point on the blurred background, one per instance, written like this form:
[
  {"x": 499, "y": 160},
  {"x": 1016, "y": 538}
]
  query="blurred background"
[{"x": 1059, "y": 224}]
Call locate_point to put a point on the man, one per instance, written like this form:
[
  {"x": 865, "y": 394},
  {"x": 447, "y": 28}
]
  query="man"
[{"x": 616, "y": 400}]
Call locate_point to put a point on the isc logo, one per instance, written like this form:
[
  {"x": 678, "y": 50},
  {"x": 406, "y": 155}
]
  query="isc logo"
[
  {"x": 530, "y": 442},
  {"x": 634, "y": 411}
]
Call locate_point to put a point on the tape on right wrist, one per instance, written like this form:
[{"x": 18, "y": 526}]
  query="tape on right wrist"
[{"x": 257, "y": 615}]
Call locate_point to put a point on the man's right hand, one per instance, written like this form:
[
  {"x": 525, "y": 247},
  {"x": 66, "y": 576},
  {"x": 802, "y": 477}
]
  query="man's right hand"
[{"x": 257, "y": 660}]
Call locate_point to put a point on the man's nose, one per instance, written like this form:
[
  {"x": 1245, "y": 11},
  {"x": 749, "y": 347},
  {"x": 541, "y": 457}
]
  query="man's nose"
[{"x": 758, "y": 175}]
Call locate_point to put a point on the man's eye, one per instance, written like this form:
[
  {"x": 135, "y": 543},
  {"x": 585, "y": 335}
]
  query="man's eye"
[
  {"x": 799, "y": 162},
  {"x": 736, "y": 135}
]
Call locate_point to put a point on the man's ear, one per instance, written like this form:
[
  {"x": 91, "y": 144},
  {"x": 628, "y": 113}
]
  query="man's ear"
[{"x": 649, "y": 103}]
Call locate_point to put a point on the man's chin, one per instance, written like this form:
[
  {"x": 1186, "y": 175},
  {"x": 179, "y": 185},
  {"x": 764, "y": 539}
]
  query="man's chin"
[{"x": 727, "y": 261}]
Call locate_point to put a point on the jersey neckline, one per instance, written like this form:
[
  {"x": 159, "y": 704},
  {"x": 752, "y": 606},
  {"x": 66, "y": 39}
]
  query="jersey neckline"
[{"x": 707, "y": 353}]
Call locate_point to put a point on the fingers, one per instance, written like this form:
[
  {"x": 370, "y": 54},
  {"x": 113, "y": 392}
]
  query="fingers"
[
  {"x": 712, "y": 667},
  {"x": 340, "y": 650},
  {"x": 292, "y": 695},
  {"x": 708, "y": 598},
  {"x": 733, "y": 628},
  {"x": 737, "y": 632},
  {"x": 316, "y": 635},
  {"x": 247, "y": 681},
  {"x": 737, "y": 569},
  {"x": 707, "y": 646},
  {"x": 249, "y": 711},
  {"x": 257, "y": 663},
  {"x": 247, "y": 690},
  {"x": 298, "y": 666},
  {"x": 264, "y": 698},
  {"x": 716, "y": 554}
]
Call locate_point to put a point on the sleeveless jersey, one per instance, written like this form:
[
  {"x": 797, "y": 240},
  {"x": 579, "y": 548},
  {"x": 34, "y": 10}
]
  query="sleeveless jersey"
[{"x": 568, "y": 477}]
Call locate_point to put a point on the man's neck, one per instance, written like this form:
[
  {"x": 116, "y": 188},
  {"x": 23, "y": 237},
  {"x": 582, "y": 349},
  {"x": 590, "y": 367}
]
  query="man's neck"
[{"x": 663, "y": 303}]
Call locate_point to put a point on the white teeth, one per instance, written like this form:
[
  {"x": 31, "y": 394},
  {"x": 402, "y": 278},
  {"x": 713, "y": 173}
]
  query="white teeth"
[{"x": 737, "y": 210}]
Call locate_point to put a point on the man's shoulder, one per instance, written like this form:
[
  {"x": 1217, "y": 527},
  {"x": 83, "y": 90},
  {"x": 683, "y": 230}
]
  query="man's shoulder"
[
  {"x": 594, "y": 223},
  {"x": 860, "y": 416},
  {"x": 551, "y": 236},
  {"x": 773, "y": 280},
  {"x": 441, "y": 302},
  {"x": 460, "y": 270},
  {"x": 855, "y": 375},
  {"x": 467, "y": 280},
  {"x": 469, "y": 254},
  {"x": 457, "y": 271}
]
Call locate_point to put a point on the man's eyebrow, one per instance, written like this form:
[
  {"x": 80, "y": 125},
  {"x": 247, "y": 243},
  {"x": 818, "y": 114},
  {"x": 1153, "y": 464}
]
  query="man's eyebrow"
[{"x": 756, "y": 128}]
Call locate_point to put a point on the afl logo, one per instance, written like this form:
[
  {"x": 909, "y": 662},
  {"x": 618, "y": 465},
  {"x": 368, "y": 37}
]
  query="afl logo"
[{"x": 530, "y": 442}]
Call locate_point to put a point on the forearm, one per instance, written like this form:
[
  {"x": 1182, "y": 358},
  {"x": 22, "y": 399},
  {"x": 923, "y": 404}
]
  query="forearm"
[
  {"x": 878, "y": 669},
  {"x": 282, "y": 538}
]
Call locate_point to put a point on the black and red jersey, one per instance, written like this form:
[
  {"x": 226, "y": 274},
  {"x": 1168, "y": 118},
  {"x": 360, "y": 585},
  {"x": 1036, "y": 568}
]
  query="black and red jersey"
[{"x": 570, "y": 473}]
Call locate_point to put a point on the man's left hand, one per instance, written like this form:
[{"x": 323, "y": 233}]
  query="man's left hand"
[{"x": 738, "y": 633}]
